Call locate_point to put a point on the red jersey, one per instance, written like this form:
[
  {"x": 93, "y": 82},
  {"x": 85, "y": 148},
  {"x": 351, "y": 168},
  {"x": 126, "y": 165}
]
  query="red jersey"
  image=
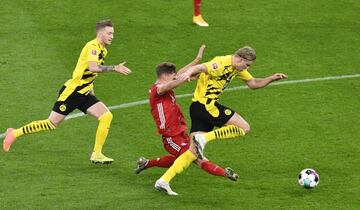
[{"x": 166, "y": 112}]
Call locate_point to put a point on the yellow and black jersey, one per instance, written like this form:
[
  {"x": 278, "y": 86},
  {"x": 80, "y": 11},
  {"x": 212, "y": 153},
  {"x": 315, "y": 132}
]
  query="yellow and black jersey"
[
  {"x": 82, "y": 78},
  {"x": 214, "y": 81}
]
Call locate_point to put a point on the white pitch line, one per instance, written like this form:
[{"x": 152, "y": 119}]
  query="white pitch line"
[{"x": 142, "y": 102}]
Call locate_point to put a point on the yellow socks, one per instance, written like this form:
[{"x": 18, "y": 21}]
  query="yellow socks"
[
  {"x": 225, "y": 132},
  {"x": 102, "y": 131},
  {"x": 33, "y": 127},
  {"x": 180, "y": 164}
]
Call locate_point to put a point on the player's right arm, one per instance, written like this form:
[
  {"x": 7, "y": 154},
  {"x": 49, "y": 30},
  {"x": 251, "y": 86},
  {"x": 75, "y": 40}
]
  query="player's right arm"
[
  {"x": 195, "y": 61},
  {"x": 192, "y": 71},
  {"x": 120, "y": 68},
  {"x": 163, "y": 88}
]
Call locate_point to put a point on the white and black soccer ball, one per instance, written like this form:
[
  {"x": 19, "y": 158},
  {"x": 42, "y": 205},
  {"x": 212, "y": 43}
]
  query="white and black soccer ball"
[{"x": 308, "y": 178}]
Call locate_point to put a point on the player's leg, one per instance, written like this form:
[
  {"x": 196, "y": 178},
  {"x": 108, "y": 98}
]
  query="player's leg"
[
  {"x": 173, "y": 145},
  {"x": 230, "y": 125},
  {"x": 240, "y": 122},
  {"x": 236, "y": 126},
  {"x": 185, "y": 156},
  {"x": 104, "y": 116},
  {"x": 179, "y": 165},
  {"x": 177, "y": 146},
  {"x": 33, "y": 127},
  {"x": 216, "y": 170},
  {"x": 59, "y": 111},
  {"x": 163, "y": 162},
  {"x": 183, "y": 162},
  {"x": 197, "y": 18}
]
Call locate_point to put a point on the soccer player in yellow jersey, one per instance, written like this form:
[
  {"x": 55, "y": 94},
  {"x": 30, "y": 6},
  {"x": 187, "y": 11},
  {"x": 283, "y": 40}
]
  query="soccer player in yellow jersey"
[
  {"x": 206, "y": 112},
  {"x": 78, "y": 93}
]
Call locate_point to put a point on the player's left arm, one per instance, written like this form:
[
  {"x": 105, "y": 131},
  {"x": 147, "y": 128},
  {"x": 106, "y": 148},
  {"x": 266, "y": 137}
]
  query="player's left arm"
[
  {"x": 120, "y": 68},
  {"x": 195, "y": 61},
  {"x": 93, "y": 57},
  {"x": 256, "y": 83}
]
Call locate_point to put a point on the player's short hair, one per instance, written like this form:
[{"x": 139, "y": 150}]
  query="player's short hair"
[
  {"x": 103, "y": 23},
  {"x": 165, "y": 68},
  {"x": 247, "y": 53}
]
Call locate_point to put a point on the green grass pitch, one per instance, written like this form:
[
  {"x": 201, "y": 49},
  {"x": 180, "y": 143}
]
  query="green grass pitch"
[{"x": 293, "y": 126}]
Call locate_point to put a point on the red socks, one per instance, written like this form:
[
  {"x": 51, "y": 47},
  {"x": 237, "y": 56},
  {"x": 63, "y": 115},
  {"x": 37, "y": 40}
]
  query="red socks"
[
  {"x": 163, "y": 162},
  {"x": 167, "y": 161},
  {"x": 197, "y": 4},
  {"x": 212, "y": 168}
]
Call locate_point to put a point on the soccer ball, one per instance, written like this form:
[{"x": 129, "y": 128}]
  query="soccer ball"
[{"x": 308, "y": 178}]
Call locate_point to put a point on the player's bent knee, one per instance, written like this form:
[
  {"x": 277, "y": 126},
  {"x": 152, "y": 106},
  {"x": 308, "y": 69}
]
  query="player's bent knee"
[
  {"x": 55, "y": 118},
  {"x": 107, "y": 116},
  {"x": 246, "y": 128},
  {"x": 55, "y": 123},
  {"x": 47, "y": 124}
]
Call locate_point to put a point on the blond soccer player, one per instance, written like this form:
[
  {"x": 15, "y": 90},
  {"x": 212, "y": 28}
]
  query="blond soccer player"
[{"x": 78, "y": 93}]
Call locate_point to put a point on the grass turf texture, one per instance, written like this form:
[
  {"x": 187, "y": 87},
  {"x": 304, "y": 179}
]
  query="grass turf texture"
[{"x": 293, "y": 127}]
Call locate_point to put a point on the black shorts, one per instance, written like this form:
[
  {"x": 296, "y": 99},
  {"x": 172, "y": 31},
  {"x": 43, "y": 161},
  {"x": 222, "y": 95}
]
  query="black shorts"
[
  {"x": 74, "y": 101},
  {"x": 202, "y": 120}
]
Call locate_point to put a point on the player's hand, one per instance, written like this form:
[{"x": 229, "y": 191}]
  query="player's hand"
[
  {"x": 184, "y": 76},
  {"x": 279, "y": 76},
  {"x": 200, "y": 52},
  {"x": 194, "y": 77},
  {"x": 122, "y": 69}
]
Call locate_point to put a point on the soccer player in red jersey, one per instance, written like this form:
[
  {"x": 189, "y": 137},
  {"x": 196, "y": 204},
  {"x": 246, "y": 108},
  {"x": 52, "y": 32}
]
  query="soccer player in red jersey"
[
  {"x": 197, "y": 18},
  {"x": 171, "y": 123}
]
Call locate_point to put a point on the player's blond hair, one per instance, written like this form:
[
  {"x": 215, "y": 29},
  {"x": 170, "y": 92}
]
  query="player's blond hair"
[
  {"x": 247, "y": 53},
  {"x": 103, "y": 23}
]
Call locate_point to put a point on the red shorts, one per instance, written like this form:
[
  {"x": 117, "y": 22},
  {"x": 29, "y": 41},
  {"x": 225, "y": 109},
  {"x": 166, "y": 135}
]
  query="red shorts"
[{"x": 176, "y": 145}]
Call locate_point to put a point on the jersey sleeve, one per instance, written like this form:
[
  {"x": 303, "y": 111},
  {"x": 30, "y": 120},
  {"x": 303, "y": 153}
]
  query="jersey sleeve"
[
  {"x": 93, "y": 53},
  {"x": 214, "y": 67},
  {"x": 245, "y": 75},
  {"x": 154, "y": 91}
]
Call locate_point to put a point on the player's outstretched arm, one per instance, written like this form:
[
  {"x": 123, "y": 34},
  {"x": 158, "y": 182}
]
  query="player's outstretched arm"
[
  {"x": 120, "y": 68},
  {"x": 256, "y": 83},
  {"x": 195, "y": 61},
  {"x": 192, "y": 71},
  {"x": 163, "y": 88}
]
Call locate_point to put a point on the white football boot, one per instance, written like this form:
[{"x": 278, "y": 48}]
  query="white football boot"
[{"x": 164, "y": 186}]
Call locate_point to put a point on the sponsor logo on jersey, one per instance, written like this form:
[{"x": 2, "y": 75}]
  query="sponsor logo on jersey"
[
  {"x": 93, "y": 52},
  {"x": 214, "y": 66}
]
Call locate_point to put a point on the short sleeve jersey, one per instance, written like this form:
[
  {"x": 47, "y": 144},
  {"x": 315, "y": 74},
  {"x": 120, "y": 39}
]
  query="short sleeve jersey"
[
  {"x": 82, "y": 78},
  {"x": 166, "y": 112},
  {"x": 214, "y": 81}
]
